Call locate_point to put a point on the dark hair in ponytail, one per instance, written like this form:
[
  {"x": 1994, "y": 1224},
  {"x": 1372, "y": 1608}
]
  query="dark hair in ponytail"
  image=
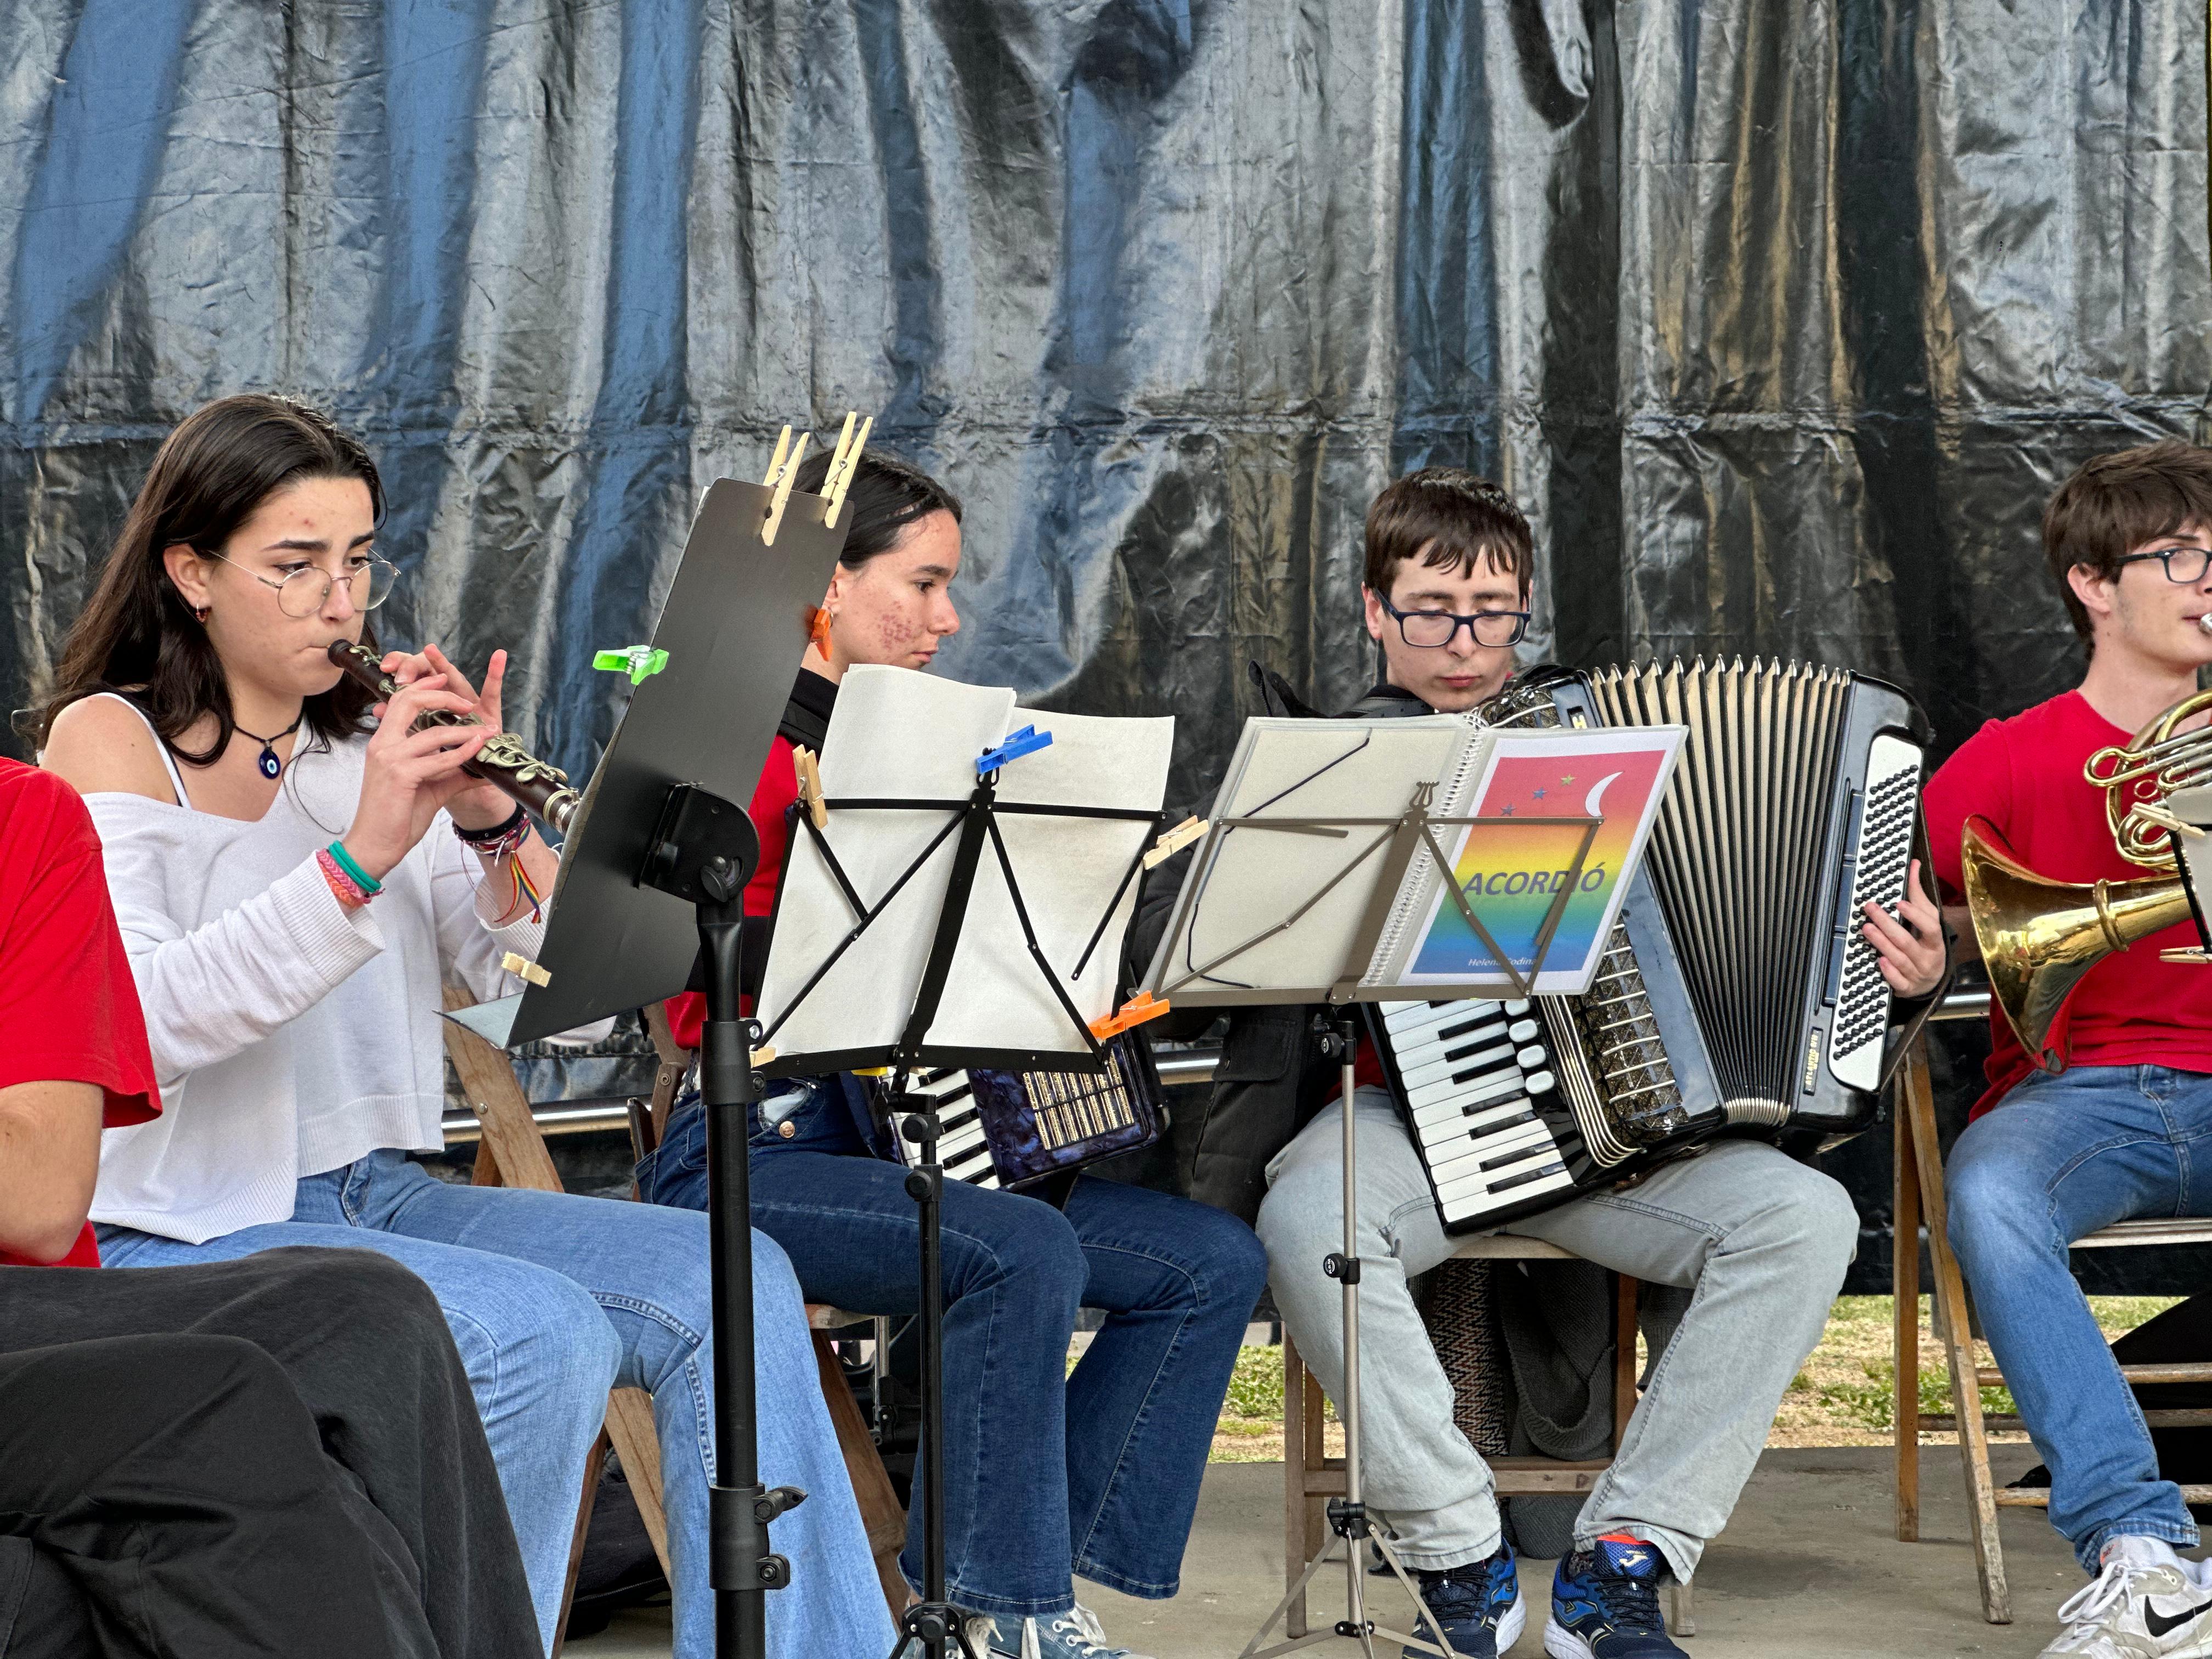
[
  {"x": 209, "y": 476},
  {"x": 886, "y": 496}
]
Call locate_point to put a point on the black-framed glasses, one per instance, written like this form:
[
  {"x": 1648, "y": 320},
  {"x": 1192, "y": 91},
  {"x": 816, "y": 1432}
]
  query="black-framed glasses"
[
  {"x": 2183, "y": 565},
  {"x": 307, "y": 589},
  {"x": 1431, "y": 631}
]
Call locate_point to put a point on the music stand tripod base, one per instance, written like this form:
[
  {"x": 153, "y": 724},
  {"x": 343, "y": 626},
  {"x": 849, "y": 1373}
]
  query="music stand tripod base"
[{"x": 1347, "y": 1516}]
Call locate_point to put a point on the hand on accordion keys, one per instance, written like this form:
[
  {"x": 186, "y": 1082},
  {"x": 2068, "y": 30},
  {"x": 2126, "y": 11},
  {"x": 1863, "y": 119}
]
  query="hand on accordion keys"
[{"x": 1908, "y": 946}]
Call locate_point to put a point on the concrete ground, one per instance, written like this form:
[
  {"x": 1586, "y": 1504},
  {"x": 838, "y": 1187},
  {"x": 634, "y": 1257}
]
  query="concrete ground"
[{"x": 1808, "y": 1569}]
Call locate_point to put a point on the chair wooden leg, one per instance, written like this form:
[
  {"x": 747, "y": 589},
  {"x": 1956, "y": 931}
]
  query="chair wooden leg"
[
  {"x": 592, "y": 1465},
  {"x": 1624, "y": 1357},
  {"x": 1950, "y": 1292},
  {"x": 872, "y": 1483},
  {"x": 1686, "y": 1612},
  {"x": 637, "y": 1442},
  {"x": 1294, "y": 1484},
  {"x": 1904, "y": 1283}
]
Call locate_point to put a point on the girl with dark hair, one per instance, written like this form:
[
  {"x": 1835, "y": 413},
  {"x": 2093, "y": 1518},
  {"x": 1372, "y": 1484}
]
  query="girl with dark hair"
[
  {"x": 295, "y": 873},
  {"x": 1047, "y": 1473}
]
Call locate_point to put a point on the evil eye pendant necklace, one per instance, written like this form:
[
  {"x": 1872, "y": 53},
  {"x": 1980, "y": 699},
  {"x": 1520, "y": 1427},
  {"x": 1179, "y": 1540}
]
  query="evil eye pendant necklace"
[{"x": 271, "y": 767}]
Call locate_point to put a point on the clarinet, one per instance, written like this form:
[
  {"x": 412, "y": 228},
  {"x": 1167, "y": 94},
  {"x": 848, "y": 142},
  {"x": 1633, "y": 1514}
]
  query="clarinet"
[{"x": 504, "y": 763}]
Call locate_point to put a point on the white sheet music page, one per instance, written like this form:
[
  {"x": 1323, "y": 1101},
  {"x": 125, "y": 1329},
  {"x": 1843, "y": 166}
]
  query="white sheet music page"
[
  {"x": 895, "y": 733},
  {"x": 1067, "y": 870},
  {"x": 902, "y": 735},
  {"x": 1252, "y": 879}
]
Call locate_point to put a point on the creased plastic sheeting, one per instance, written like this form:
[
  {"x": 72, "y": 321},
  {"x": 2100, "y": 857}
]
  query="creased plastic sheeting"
[{"x": 1781, "y": 319}]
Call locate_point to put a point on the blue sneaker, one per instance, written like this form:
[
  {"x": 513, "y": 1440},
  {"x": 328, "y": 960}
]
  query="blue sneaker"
[
  {"x": 1478, "y": 1605},
  {"x": 1605, "y": 1603}
]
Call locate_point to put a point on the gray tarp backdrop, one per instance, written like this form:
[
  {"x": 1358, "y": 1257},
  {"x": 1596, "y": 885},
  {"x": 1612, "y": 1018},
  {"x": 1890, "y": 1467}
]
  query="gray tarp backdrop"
[{"x": 1781, "y": 318}]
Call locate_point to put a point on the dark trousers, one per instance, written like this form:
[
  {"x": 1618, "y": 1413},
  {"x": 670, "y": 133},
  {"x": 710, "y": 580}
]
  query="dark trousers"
[
  {"x": 278, "y": 1454},
  {"x": 1095, "y": 1473}
]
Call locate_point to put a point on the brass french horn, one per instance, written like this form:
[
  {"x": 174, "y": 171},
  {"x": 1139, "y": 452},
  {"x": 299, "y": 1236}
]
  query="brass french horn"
[{"x": 2038, "y": 937}]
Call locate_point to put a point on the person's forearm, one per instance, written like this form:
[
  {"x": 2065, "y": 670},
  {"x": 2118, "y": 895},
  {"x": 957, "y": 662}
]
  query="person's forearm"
[{"x": 49, "y": 1163}]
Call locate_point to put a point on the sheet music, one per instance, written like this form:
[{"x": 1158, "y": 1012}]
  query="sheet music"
[
  {"x": 901, "y": 735},
  {"x": 893, "y": 733},
  {"x": 1250, "y": 879},
  {"x": 1067, "y": 870}
]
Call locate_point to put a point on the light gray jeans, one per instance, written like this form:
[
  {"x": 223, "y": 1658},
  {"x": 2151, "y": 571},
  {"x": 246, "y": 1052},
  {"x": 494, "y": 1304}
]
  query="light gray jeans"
[{"x": 1762, "y": 1240}]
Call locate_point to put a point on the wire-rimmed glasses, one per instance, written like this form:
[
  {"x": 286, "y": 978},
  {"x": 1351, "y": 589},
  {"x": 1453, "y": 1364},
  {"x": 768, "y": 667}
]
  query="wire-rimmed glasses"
[{"x": 307, "y": 589}]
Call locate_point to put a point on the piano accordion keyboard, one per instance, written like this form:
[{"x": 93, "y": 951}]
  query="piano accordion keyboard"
[
  {"x": 962, "y": 1147},
  {"x": 1473, "y": 1075}
]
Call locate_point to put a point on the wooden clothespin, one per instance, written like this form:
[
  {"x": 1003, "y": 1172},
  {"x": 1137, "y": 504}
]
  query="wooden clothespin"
[
  {"x": 1135, "y": 1012},
  {"x": 782, "y": 472},
  {"x": 1172, "y": 841},
  {"x": 842, "y": 469},
  {"x": 529, "y": 971},
  {"x": 803, "y": 761},
  {"x": 762, "y": 1056}
]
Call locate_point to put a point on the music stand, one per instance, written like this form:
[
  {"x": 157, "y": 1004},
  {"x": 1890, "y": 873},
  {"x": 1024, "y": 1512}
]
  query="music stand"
[
  {"x": 1345, "y": 965},
  {"x": 972, "y": 830},
  {"x": 653, "y": 876}
]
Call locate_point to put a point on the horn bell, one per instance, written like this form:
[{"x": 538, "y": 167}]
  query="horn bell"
[{"x": 2040, "y": 937}]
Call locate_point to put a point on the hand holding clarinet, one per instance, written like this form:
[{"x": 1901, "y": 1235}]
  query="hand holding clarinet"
[{"x": 440, "y": 746}]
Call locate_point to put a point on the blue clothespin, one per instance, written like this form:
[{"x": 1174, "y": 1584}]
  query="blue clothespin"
[{"x": 1027, "y": 741}]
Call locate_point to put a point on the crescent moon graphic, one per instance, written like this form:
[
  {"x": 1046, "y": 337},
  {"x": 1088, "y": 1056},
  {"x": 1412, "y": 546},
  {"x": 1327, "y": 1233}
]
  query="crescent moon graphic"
[{"x": 1594, "y": 807}]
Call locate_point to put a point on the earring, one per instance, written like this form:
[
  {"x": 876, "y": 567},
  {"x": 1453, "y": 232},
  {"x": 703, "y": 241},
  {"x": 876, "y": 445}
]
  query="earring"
[
  {"x": 818, "y": 628},
  {"x": 201, "y": 612}
]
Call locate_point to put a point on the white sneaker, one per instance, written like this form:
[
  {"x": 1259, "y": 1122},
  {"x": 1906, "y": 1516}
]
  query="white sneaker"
[{"x": 2146, "y": 1603}]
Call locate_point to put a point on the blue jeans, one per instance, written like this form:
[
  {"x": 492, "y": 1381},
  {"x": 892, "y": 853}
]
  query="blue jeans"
[
  {"x": 553, "y": 1300},
  {"x": 1046, "y": 1474},
  {"x": 2060, "y": 1158}
]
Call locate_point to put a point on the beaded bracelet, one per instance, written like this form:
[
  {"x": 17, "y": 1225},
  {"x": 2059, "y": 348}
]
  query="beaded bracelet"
[{"x": 347, "y": 879}]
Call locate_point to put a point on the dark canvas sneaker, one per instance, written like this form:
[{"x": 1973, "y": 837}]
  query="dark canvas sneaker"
[
  {"x": 1605, "y": 1603},
  {"x": 1478, "y": 1605},
  {"x": 1075, "y": 1634},
  {"x": 2146, "y": 1603}
]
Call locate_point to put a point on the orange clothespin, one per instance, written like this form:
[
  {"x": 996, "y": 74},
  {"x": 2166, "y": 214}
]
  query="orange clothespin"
[
  {"x": 1135, "y": 1012},
  {"x": 809, "y": 768},
  {"x": 1172, "y": 841}
]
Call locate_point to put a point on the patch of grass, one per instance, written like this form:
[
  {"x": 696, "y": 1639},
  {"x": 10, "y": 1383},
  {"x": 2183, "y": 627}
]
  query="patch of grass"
[{"x": 1873, "y": 1403}]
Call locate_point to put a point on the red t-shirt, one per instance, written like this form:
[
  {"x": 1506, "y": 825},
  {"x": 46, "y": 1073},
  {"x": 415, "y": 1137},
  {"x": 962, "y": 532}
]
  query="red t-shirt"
[
  {"x": 772, "y": 798},
  {"x": 2024, "y": 775},
  {"x": 69, "y": 1010}
]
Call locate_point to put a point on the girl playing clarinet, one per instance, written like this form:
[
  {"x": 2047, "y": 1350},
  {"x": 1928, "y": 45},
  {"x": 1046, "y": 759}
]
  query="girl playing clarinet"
[{"x": 297, "y": 871}]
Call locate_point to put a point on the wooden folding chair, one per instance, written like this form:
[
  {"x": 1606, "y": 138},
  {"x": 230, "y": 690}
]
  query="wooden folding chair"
[
  {"x": 1919, "y": 1192},
  {"x": 1311, "y": 1477}
]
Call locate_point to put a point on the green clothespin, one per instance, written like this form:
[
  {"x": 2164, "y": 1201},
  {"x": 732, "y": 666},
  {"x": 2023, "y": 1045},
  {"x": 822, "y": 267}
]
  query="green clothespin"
[{"x": 638, "y": 661}]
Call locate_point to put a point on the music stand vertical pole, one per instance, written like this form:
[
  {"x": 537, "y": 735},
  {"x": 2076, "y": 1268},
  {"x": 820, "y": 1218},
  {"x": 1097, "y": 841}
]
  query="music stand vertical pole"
[
  {"x": 1351, "y": 1518},
  {"x": 704, "y": 851}
]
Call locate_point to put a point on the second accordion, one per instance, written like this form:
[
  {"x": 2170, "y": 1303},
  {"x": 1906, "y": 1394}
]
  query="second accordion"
[
  {"x": 1736, "y": 994},
  {"x": 1008, "y": 1129}
]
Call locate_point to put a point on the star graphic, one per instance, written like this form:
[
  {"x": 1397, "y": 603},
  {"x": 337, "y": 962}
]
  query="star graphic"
[
  {"x": 1507, "y": 810},
  {"x": 1540, "y": 794},
  {"x": 1570, "y": 778}
]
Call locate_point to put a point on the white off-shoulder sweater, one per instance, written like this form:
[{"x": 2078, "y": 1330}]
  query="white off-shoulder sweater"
[{"x": 289, "y": 1035}]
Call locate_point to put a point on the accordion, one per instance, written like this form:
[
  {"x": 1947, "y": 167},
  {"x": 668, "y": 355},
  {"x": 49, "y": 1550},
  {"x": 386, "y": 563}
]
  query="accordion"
[
  {"x": 1006, "y": 1129},
  {"x": 1736, "y": 994}
]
